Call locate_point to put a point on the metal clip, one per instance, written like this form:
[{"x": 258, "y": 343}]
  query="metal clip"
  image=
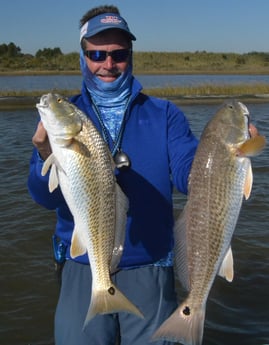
[{"x": 59, "y": 250}]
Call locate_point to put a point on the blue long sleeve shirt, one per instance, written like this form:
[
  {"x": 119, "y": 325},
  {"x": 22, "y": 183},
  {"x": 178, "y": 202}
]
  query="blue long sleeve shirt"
[{"x": 161, "y": 147}]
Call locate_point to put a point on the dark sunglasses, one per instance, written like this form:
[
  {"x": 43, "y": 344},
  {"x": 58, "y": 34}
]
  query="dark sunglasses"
[{"x": 118, "y": 55}]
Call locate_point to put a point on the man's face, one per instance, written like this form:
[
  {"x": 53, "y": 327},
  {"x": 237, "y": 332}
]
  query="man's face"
[{"x": 110, "y": 40}]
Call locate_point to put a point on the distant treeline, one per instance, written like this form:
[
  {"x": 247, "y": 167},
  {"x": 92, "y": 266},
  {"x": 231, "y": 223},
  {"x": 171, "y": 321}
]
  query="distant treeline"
[{"x": 53, "y": 60}]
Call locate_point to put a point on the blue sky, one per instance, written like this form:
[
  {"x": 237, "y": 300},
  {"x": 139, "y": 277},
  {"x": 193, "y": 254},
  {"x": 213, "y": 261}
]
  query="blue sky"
[{"x": 239, "y": 26}]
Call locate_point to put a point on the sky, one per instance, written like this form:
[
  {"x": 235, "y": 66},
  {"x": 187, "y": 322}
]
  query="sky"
[{"x": 239, "y": 26}]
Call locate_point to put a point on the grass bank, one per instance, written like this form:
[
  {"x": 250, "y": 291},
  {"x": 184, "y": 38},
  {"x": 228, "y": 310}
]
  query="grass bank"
[
  {"x": 208, "y": 90},
  {"x": 207, "y": 93}
]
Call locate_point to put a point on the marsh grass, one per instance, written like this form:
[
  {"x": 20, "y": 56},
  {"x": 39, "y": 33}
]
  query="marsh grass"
[
  {"x": 195, "y": 91},
  {"x": 211, "y": 90},
  {"x": 37, "y": 93},
  {"x": 201, "y": 62}
]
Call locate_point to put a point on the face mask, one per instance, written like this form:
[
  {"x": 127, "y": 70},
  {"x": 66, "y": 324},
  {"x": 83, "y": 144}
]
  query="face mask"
[{"x": 115, "y": 91}]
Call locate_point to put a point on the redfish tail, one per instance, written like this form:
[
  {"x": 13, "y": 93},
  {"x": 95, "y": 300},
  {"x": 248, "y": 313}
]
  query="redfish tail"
[
  {"x": 183, "y": 326},
  {"x": 110, "y": 301}
]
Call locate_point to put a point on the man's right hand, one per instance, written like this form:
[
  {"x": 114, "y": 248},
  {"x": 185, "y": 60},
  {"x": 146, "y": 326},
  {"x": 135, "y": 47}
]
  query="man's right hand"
[{"x": 41, "y": 141}]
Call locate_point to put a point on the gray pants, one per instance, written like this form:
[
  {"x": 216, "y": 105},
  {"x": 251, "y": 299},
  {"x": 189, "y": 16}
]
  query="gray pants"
[{"x": 150, "y": 288}]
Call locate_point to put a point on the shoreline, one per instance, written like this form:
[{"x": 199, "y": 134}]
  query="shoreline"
[
  {"x": 264, "y": 71},
  {"x": 202, "y": 94},
  {"x": 29, "y": 102}
]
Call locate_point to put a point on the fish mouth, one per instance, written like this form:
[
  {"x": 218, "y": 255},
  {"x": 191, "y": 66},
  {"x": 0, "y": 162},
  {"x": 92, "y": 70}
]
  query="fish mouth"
[
  {"x": 46, "y": 99},
  {"x": 243, "y": 108},
  {"x": 43, "y": 102}
]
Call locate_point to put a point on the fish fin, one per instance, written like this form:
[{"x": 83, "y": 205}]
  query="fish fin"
[
  {"x": 181, "y": 248},
  {"x": 227, "y": 270},
  {"x": 109, "y": 301},
  {"x": 52, "y": 164},
  {"x": 252, "y": 147},
  {"x": 248, "y": 182},
  {"x": 47, "y": 164},
  {"x": 77, "y": 247},
  {"x": 80, "y": 148},
  {"x": 53, "y": 178},
  {"x": 183, "y": 326},
  {"x": 122, "y": 205}
]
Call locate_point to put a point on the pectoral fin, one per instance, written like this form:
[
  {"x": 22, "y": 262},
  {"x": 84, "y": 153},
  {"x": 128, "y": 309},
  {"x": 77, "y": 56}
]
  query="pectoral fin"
[
  {"x": 252, "y": 146},
  {"x": 79, "y": 148},
  {"x": 227, "y": 270}
]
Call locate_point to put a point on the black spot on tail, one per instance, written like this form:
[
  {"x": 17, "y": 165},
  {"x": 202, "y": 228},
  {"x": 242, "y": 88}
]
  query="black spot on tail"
[
  {"x": 111, "y": 290},
  {"x": 187, "y": 311}
]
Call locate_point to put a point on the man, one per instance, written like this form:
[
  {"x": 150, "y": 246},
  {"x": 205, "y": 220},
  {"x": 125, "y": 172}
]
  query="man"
[{"x": 152, "y": 140}]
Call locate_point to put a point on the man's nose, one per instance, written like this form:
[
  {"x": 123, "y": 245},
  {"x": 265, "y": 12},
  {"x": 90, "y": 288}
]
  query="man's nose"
[{"x": 109, "y": 62}]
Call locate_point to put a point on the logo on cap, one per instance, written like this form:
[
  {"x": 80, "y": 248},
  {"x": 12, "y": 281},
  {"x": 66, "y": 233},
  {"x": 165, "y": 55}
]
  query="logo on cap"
[{"x": 111, "y": 20}]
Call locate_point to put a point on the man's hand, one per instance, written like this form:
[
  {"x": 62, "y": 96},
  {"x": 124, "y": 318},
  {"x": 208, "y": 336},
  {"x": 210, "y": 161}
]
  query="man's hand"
[
  {"x": 41, "y": 141},
  {"x": 253, "y": 130}
]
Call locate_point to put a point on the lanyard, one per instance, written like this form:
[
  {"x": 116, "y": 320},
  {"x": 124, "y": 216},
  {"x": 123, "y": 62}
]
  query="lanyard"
[{"x": 120, "y": 158}]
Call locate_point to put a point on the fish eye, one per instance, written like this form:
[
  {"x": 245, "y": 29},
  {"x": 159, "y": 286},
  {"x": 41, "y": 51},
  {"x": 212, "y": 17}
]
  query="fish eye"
[{"x": 59, "y": 100}]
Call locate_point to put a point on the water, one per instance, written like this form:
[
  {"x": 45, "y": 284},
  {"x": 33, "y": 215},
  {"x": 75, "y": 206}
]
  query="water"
[
  {"x": 28, "y": 289},
  {"x": 73, "y": 82},
  {"x": 237, "y": 313}
]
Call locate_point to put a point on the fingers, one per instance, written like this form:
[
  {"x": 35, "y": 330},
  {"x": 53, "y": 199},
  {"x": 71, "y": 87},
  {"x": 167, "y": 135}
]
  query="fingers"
[
  {"x": 41, "y": 141},
  {"x": 40, "y": 135},
  {"x": 253, "y": 130}
]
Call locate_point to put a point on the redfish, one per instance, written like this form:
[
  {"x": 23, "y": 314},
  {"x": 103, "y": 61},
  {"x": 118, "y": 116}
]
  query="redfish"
[
  {"x": 221, "y": 175},
  {"x": 82, "y": 165}
]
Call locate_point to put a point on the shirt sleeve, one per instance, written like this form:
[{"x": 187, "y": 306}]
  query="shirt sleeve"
[{"x": 182, "y": 146}]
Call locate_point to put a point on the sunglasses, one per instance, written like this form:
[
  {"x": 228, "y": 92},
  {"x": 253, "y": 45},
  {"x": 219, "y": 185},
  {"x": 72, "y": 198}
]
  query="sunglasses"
[{"x": 118, "y": 55}]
